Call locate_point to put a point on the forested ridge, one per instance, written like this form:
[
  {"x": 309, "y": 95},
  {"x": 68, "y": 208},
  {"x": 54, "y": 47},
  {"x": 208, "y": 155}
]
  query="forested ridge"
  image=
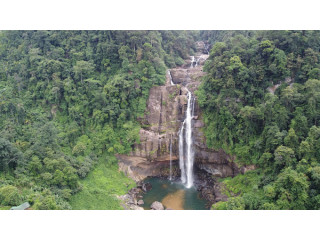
[
  {"x": 69, "y": 101},
  {"x": 261, "y": 99}
]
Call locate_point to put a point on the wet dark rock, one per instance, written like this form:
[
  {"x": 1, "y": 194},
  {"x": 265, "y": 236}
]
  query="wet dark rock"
[
  {"x": 209, "y": 187},
  {"x": 146, "y": 187},
  {"x": 134, "y": 191},
  {"x": 157, "y": 206}
]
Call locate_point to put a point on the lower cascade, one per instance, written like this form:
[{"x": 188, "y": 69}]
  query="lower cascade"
[{"x": 186, "y": 153}]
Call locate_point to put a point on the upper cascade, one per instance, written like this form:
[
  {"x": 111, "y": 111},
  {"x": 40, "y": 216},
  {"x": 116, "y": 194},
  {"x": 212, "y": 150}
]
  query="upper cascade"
[
  {"x": 192, "y": 61},
  {"x": 186, "y": 151}
]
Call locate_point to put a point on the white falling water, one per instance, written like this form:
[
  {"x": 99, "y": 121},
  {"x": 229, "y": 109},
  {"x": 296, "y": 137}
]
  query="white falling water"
[
  {"x": 197, "y": 61},
  {"x": 170, "y": 177},
  {"x": 170, "y": 77},
  {"x": 190, "y": 153},
  {"x": 192, "y": 61},
  {"x": 181, "y": 153},
  {"x": 186, "y": 154}
]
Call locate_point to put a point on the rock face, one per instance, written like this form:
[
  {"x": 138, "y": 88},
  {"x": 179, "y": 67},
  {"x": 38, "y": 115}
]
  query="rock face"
[
  {"x": 165, "y": 112},
  {"x": 209, "y": 188}
]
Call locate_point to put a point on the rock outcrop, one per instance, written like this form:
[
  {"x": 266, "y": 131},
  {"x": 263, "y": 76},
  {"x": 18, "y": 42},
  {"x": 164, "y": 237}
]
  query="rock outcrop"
[
  {"x": 165, "y": 112},
  {"x": 157, "y": 206},
  {"x": 131, "y": 200}
]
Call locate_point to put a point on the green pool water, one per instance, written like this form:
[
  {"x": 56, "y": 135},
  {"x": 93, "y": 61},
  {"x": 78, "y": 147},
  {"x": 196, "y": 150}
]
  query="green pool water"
[{"x": 173, "y": 195}]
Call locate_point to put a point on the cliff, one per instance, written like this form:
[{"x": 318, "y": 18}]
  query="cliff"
[{"x": 165, "y": 112}]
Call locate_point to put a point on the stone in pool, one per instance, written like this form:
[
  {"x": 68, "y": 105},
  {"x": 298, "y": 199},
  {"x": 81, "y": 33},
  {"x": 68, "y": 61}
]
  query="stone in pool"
[{"x": 157, "y": 206}]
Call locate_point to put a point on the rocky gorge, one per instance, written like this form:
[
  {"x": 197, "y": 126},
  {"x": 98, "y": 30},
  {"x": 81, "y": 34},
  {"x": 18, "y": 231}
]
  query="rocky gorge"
[{"x": 159, "y": 135}]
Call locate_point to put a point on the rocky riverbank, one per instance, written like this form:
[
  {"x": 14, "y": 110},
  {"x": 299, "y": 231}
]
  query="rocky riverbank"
[{"x": 207, "y": 186}]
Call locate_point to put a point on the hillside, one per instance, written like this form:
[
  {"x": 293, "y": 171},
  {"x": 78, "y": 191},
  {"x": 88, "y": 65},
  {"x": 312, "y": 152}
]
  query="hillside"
[
  {"x": 69, "y": 101},
  {"x": 261, "y": 103},
  {"x": 230, "y": 117}
]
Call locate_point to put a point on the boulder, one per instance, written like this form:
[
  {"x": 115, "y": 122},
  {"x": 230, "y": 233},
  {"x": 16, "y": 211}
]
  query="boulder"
[
  {"x": 146, "y": 187},
  {"x": 157, "y": 206},
  {"x": 140, "y": 202}
]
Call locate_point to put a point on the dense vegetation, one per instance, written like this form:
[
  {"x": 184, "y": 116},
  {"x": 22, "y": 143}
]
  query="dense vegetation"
[
  {"x": 69, "y": 101},
  {"x": 261, "y": 101}
]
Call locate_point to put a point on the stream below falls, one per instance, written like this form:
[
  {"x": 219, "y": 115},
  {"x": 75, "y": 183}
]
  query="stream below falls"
[{"x": 173, "y": 195}]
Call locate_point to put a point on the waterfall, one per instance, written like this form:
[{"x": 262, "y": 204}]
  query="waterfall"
[
  {"x": 192, "y": 61},
  {"x": 181, "y": 153},
  {"x": 170, "y": 77},
  {"x": 190, "y": 153},
  {"x": 170, "y": 178},
  {"x": 186, "y": 153},
  {"x": 198, "y": 61}
]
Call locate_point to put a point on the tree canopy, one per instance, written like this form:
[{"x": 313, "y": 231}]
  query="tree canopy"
[
  {"x": 70, "y": 100},
  {"x": 260, "y": 100}
]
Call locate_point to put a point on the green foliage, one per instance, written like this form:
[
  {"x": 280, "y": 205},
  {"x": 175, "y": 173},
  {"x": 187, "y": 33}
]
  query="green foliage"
[
  {"x": 45, "y": 201},
  {"x": 101, "y": 187},
  {"x": 10, "y": 156},
  {"x": 235, "y": 203},
  {"x": 9, "y": 195},
  {"x": 284, "y": 157},
  {"x": 68, "y": 98},
  {"x": 240, "y": 184},
  {"x": 291, "y": 190},
  {"x": 219, "y": 206},
  {"x": 260, "y": 100}
]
